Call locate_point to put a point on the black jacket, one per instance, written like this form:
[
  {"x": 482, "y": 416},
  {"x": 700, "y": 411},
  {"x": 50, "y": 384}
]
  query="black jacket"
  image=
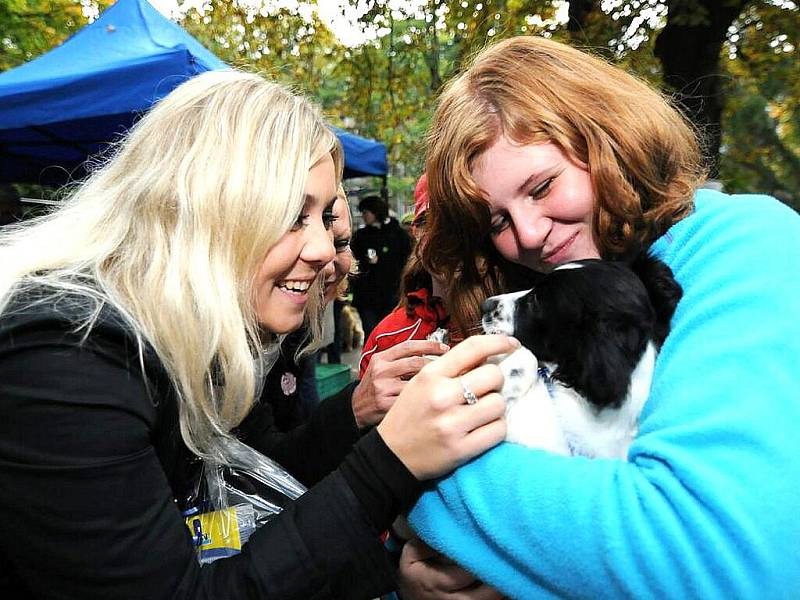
[
  {"x": 381, "y": 253},
  {"x": 91, "y": 462}
]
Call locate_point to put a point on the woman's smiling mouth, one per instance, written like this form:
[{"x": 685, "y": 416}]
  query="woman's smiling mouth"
[
  {"x": 557, "y": 255},
  {"x": 296, "y": 287}
]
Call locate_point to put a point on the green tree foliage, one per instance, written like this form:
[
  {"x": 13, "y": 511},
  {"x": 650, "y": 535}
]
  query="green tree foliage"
[
  {"x": 386, "y": 86},
  {"x": 29, "y": 28},
  {"x": 416, "y": 50},
  {"x": 681, "y": 45},
  {"x": 761, "y": 134},
  {"x": 291, "y": 46}
]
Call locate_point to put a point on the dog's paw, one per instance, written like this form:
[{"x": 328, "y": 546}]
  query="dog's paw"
[
  {"x": 440, "y": 335},
  {"x": 520, "y": 370}
]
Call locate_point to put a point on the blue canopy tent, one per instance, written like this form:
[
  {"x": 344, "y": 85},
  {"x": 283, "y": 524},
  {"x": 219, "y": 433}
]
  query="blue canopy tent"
[
  {"x": 66, "y": 105},
  {"x": 362, "y": 156}
]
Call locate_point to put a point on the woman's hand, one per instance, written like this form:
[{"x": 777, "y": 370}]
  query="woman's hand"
[
  {"x": 427, "y": 575},
  {"x": 431, "y": 427},
  {"x": 387, "y": 375}
]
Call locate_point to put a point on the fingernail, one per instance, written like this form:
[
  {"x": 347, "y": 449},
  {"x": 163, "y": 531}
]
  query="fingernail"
[
  {"x": 444, "y": 347},
  {"x": 514, "y": 342}
]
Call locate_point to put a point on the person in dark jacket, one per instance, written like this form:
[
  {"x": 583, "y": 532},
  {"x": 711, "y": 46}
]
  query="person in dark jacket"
[
  {"x": 381, "y": 248},
  {"x": 135, "y": 323}
]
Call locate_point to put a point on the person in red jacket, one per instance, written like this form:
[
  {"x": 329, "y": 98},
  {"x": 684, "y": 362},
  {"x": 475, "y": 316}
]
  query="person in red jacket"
[{"x": 420, "y": 311}]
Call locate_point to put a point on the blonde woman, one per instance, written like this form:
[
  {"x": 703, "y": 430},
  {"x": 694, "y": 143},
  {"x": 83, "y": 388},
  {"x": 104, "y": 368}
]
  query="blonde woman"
[
  {"x": 290, "y": 387},
  {"x": 541, "y": 154},
  {"x": 134, "y": 322}
]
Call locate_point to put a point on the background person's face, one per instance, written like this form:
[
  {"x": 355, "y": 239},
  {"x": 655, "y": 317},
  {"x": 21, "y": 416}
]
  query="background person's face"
[
  {"x": 293, "y": 263},
  {"x": 341, "y": 241},
  {"x": 541, "y": 204},
  {"x": 369, "y": 217}
]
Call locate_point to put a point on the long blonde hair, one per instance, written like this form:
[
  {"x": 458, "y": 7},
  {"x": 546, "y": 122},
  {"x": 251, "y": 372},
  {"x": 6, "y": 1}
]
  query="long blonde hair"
[
  {"x": 172, "y": 229},
  {"x": 642, "y": 155}
]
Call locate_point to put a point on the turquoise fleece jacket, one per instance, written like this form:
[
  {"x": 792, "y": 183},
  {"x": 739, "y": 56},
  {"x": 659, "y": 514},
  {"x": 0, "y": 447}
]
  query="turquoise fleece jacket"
[{"x": 708, "y": 503}]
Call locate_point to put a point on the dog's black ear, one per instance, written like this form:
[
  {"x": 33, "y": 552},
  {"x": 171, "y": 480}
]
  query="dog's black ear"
[
  {"x": 663, "y": 290},
  {"x": 602, "y": 372}
]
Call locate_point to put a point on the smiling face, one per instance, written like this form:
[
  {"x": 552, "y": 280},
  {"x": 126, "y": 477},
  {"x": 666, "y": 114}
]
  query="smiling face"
[
  {"x": 541, "y": 204},
  {"x": 338, "y": 270},
  {"x": 293, "y": 263}
]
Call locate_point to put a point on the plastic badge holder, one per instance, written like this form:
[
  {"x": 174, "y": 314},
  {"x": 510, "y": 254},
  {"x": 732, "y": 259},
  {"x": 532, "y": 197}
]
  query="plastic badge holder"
[{"x": 234, "y": 497}]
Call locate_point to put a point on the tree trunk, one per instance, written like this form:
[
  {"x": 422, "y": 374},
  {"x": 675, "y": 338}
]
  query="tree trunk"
[
  {"x": 578, "y": 13},
  {"x": 689, "y": 49},
  {"x": 433, "y": 58}
]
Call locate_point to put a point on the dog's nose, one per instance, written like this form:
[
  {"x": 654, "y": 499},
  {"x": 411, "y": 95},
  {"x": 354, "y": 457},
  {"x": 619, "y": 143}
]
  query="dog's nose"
[{"x": 489, "y": 305}]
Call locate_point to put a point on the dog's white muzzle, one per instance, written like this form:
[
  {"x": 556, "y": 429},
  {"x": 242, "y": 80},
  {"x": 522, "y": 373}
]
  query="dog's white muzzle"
[{"x": 498, "y": 313}]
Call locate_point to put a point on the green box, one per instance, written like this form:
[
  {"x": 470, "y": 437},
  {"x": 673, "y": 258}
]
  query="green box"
[{"x": 331, "y": 379}]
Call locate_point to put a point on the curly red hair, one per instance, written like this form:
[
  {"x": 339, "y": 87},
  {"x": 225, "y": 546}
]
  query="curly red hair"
[{"x": 643, "y": 157}]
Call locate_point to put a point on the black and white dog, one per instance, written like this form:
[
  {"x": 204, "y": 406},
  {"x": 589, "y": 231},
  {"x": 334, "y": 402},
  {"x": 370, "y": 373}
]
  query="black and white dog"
[{"x": 590, "y": 331}]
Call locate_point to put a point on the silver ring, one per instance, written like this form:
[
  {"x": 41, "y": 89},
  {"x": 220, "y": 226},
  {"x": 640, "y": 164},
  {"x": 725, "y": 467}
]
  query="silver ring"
[{"x": 469, "y": 395}]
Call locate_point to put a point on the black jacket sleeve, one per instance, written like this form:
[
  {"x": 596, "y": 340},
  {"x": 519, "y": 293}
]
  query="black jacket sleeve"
[
  {"x": 311, "y": 450},
  {"x": 87, "y": 509}
]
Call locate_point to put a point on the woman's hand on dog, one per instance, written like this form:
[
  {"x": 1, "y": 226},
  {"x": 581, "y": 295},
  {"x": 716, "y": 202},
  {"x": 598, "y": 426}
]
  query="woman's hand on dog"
[
  {"x": 387, "y": 375},
  {"x": 430, "y": 427},
  {"x": 425, "y": 574}
]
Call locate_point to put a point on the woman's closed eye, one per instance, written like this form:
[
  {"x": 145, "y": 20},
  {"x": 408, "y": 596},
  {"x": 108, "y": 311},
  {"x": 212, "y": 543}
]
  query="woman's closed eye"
[
  {"x": 499, "y": 223},
  {"x": 329, "y": 218},
  {"x": 302, "y": 218},
  {"x": 341, "y": 244},
  {"x": 541, "y": 190}
]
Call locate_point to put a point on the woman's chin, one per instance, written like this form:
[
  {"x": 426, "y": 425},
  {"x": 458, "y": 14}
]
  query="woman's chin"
[{"x": 281, "y": 326}]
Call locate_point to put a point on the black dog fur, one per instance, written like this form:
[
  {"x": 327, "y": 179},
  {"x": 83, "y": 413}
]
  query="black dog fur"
[{"x": 594, "y": 322}]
